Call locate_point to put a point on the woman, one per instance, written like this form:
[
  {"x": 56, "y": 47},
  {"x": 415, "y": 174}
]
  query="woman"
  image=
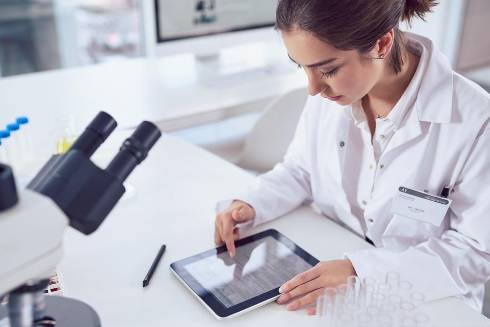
[{"x": 386, "y": 114}]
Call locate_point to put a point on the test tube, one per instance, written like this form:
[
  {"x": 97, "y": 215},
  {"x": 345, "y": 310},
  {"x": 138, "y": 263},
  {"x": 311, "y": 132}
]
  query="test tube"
[
  {"x": 67, "y": 133},
  {"x": 365, "y": 320},
  {"x": 352, "y": 309},
  {"x": 3, "y": 158},
  {"x": 384, "y": 289},
  {"x": 389, "y": 307},
  {"x": 14, "y": 153},
  {"x": 395, "y": 299},
  {"x": 320, "y": 306},
  {"x": 353, "y": 289},
  {"x": 392, "y": 279},
  {"x": 407, "y": 321},
  {"x": 342, "y": 289},
  {"x": 373, "y": 311},
  {"x": 404, "y": 289},
  {"x": 5, "y": 138},
  {"x": 406, "y": 307},
  {"x": 339, "y": 305},
  {"x": 422, "y": 319},
  {"x": 329, "y": 295},
  {"x": 368, "y": 288},
  {"x": 25, "y": 139},
  {"x": 417, "y": 298},
  {"x": 378, "y": 300},
  {"x": 346, "y": 320},
  {"x": 341, "y": 298}
]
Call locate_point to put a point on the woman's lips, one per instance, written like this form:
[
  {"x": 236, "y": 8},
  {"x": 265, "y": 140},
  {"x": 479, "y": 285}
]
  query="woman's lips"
[{"x": 334, "y": 98}]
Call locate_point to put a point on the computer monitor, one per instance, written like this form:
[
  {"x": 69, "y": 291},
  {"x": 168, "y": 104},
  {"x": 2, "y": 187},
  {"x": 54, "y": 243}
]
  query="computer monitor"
[
  {"x": 208, "y": 29},
  {"x": 204, "y": 27}
]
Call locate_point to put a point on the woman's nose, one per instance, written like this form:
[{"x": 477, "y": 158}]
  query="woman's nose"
[{"x": 315, "y": 84}]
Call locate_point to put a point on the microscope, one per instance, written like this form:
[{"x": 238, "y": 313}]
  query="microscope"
[{"x": 69, "y": 190}]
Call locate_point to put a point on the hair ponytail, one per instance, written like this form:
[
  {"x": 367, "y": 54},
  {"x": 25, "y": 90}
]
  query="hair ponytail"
[
  {"x": 353, "y": 24},
  {"x": 417, "y": 8}
]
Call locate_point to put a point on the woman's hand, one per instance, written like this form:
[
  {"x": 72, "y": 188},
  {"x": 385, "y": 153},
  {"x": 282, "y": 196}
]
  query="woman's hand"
[
  {"x": 224, "y": 226},
  {"x": 307, "y": 286}
]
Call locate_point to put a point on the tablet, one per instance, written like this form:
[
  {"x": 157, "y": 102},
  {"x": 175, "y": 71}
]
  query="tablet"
[{"x": 231, "y": 286}]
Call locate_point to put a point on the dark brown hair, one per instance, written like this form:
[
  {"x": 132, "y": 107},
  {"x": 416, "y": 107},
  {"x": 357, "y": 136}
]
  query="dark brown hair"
[{"x": 352, "y": 24}]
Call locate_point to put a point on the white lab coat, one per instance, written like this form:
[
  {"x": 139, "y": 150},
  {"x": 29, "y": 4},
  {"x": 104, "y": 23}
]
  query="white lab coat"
[{"x": 444, "y": 139}]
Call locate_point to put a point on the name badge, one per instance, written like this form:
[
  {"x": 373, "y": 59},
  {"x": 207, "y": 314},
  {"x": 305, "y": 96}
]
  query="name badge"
[{"x": 420, "y": 206}]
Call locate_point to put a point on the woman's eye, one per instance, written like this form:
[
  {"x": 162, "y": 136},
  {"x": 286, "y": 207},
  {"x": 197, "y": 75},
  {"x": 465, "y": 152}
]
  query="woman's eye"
[{"x": 330, "y": 73}]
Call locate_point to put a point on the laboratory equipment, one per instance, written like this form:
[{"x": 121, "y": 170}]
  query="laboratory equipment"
[
  {"x": 372, "y": 303},
  {"x": 68, "y": 190}
]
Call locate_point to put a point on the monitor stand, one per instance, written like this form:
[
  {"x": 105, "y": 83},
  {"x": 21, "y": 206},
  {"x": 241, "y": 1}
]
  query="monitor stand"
[{"x": 234, "y": 67}]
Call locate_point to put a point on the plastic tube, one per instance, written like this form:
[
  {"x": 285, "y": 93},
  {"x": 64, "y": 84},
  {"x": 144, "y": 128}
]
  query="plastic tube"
[
  {"x": 5, "y": 138},
  {"x": 13, "y": 146},
  {"x": 25, "y": 139},
  {"x": 2, "y": 153},
  {"x": 392, "y": 279},
  {"x": 353, "y": 289}
]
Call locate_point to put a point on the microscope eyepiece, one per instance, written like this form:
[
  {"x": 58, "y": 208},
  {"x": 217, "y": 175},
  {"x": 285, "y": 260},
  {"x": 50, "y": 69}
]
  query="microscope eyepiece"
[
  {"x": 85, "y": 192},
  {"x": 95, "y": 134},
  {"x": 8, "y": 190},
  {"x": 134, "y": 150}
]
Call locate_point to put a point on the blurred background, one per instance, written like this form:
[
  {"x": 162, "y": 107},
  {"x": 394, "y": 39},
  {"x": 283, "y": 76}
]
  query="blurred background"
[
  {"x": 47, "y": 35},
  {"x": 39, "y": 35}
]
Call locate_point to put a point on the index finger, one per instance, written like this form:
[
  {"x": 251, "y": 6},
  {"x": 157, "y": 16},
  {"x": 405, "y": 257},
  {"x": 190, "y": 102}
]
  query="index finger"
[
  {"x": 227, "y": 236},
  {"x": 300, "y": 279}
]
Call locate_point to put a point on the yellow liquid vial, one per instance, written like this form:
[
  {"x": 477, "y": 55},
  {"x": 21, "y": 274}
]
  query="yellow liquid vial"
[{"x": 63, "y": 145}]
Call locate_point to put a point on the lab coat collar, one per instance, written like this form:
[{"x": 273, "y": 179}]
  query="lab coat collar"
[{"x": 435, "y": 97}]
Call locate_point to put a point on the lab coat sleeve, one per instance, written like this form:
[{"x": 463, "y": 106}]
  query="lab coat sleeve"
[
  {"x": 457, "y": 263},
  {"x": 286, "y": 186}
]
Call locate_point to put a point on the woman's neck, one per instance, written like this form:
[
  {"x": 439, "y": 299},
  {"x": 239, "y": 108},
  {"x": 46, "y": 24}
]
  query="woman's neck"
[{"x": 391, "y": 86}]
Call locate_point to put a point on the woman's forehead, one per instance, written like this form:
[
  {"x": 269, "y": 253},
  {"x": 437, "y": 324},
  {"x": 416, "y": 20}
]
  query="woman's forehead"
[{"x": 305, "y": 49}]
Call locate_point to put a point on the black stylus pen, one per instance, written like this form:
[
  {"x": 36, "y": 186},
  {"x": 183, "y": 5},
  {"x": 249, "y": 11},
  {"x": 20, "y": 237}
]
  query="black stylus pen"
[
  {"x": 445, "y": 191},
  {"x": 154, "y": 265}
]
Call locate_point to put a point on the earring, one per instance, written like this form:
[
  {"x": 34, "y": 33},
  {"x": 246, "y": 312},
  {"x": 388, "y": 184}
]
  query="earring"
[{"x": 381, "y": 56}]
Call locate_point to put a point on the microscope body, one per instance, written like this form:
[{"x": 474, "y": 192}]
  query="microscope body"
[
  {"x": 69, "y": 190},
  {"x": 31, "y": 236}
]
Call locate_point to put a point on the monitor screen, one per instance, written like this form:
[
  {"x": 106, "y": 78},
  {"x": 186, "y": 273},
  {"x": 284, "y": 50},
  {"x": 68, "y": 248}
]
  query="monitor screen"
[{"x": 183, "y": 19}]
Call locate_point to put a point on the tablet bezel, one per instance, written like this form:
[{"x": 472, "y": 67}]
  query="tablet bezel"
[{"x": 209, "y": 298}]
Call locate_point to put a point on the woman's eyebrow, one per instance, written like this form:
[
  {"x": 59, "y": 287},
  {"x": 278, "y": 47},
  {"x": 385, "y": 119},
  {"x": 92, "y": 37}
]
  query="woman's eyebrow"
[{"x": 317, "y": 64}]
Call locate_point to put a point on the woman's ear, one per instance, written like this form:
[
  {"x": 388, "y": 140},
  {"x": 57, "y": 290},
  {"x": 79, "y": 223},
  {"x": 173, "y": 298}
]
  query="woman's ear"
[{"x": 385, "y": 43}]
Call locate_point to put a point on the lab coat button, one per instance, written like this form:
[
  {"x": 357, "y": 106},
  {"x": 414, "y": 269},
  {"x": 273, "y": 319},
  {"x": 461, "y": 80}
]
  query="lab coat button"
[
  {"x": 342, "y": 144},
  {"x": 382, "y": 166},
  {"x": 371, "y": 220},
  {"x": 364, "y": 202}
]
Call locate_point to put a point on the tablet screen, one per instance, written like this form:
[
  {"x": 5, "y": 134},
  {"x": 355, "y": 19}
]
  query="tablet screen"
[{"x": 258, "y": 266}]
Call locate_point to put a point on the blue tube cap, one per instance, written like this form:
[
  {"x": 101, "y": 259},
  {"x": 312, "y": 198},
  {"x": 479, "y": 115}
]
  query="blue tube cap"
[
  {"x": 22, "y": 120},
  {"x": 13, "y": 127},
  {"x": 4, "y": 134}
]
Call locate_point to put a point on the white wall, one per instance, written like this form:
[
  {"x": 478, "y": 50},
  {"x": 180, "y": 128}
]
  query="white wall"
[{"x": 443, "y": 26}]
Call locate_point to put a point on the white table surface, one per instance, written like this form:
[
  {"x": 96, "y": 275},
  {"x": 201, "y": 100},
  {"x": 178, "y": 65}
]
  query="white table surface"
[
  {"x": 132, "y": 90},
  {"x": 175, "y": 191}
]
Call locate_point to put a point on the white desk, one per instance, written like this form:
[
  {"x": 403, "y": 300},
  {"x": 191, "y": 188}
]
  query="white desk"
[
  {"x": 176, "y": 189},
  {"x": 168, "y": 90}
]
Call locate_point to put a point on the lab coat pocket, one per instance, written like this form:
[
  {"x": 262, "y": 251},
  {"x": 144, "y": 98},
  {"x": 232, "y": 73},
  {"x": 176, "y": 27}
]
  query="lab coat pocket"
[{"x": 403, "y": 232}]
